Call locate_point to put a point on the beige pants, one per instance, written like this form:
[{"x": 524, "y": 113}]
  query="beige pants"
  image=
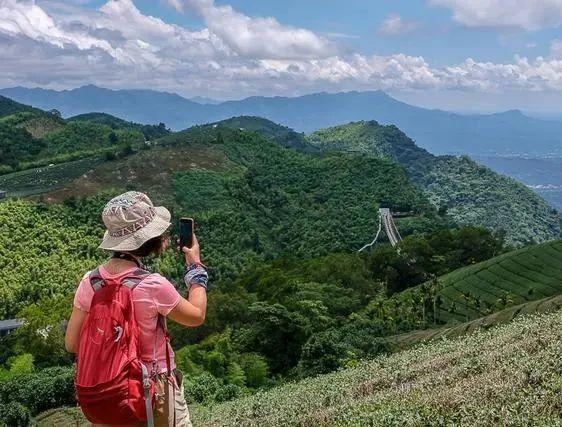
[{"x": 171, "y": 407}]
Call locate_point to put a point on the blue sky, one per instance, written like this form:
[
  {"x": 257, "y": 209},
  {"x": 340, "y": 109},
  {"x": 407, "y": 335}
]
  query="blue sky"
[{"x": 466, "y": 55}]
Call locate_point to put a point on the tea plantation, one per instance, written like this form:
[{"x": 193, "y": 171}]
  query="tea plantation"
[
  {"x": 527, "y": 274},
  {"x": 506, "y": 376}
]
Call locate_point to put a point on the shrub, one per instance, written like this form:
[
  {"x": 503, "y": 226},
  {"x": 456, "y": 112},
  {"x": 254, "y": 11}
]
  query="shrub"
[
  {"x": 201, "y": 389},
  {"x": 14, "y": 414},
  {"x": 228, "y": 392},
  {"x": 49, "y": 388},
  {"x": 255, "y": 368}
]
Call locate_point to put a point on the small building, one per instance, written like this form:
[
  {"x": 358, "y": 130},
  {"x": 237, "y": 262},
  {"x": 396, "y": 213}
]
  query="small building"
[
  {"x": 3, "y": 194},
  {"x": 7, "y": 326}
]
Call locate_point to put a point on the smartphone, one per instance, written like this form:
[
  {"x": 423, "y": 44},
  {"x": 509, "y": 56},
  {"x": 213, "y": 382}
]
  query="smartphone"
[{"x": 186, "y": 232}]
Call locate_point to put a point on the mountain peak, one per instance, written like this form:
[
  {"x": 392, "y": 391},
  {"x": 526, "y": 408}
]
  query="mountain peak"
[{"x": 510, "y": 113}]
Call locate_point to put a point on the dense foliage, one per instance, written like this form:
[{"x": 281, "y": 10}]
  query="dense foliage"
[
  {"x": 16, "y": 145},
  {"x": 469, "y": 193},
  {"x": 276, "y": 200}
]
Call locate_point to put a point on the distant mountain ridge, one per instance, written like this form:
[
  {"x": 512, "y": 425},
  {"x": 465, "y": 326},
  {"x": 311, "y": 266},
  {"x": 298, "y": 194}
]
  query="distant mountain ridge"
[{"x": 438, "y": 131}]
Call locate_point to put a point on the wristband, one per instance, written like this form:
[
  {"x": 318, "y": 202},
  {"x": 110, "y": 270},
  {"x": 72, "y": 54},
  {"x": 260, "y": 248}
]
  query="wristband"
[{"x": 196, "y": 274}]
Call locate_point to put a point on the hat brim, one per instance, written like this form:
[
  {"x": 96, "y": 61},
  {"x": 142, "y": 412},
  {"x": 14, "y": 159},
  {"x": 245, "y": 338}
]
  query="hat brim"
[{"x": 155, "y": 228}]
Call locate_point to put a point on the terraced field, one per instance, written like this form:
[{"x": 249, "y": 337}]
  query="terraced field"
[
  {"x": 409, "y": 339},
  {"x": 46, "y": 178},
  {"x": 506, "y": 376},
  {"x": 516, "y": 277}
]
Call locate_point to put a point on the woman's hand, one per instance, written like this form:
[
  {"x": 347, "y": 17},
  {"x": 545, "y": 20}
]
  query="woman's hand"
[{"x": 191, "y": 254}]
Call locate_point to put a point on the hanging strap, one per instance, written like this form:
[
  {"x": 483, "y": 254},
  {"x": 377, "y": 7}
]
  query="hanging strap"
[
  {"x": 162, "y": 324},
  {"x": 147, "y": 398}
]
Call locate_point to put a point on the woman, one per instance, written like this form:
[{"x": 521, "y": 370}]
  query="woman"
[{"x": 136, "y": 229}]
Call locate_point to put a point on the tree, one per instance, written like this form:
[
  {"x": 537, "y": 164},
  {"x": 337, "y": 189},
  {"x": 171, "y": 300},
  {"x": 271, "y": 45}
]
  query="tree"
[
  {"x": 322, "y": 353},
  {"x": 113, "y": 138}
]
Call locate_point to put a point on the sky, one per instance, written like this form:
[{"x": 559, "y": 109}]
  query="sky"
[{"x": 462, "y": 55}]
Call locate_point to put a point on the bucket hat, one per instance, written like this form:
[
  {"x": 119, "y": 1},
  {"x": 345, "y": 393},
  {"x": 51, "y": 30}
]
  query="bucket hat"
[{"x": 131, "y": 219}]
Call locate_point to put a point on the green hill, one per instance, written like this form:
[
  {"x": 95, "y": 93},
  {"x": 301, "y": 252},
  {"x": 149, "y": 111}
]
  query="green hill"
[
  {"x": 31, "y": 138},
  {"x": 470, "y": 193},
  {"x": 150, "y": 132},
  {"x": 516, "y": 277},
  {"x": 37, "y": 123},
  {"x": 505, "y": 376},
  {"x": 283, "y": 135},
  {"x": 9, "y": 107}
]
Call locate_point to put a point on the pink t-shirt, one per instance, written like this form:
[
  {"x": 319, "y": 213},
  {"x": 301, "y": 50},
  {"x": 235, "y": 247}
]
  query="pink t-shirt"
[{"x": 154, "y": 295}]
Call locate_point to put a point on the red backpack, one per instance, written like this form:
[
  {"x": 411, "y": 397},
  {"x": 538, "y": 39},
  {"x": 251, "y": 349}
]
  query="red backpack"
[{"x": 113, "y": 386}]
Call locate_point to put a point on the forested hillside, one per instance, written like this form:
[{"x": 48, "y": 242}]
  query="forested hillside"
[
  {"x": 149, "y": 131},
  {"x": 9, "y": 106},
  {"x": 470, "y": 193},
  {"x": 31, "y": 138}
]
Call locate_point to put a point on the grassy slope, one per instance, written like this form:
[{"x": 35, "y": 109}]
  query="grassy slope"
[
  {"x": 471, "y": 193},
  {"x": 37, "y": 123},
  {"x": 528, "y": 274},
  {"x": 409, "y": 339},
  {"x": 509, "y": 375},
  {"x": 152, "y": 170}
]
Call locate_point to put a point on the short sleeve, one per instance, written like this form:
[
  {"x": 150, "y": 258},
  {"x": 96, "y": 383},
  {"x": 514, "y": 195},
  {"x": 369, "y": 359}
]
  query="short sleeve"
[
  {"x": 84, "y": 294},
  {"x": 164, "y": 294}
]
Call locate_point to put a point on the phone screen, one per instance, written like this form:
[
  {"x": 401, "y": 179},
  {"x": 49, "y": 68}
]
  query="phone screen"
[{"x": 186, "y": 232}]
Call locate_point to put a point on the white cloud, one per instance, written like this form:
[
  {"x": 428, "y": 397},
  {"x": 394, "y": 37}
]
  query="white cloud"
[
  {"x": 176, "y": 4},
  {"x": 29, "y": 20},
  {"x": 395, "y": 25},
  {"x": 526, "y": 14},
  {"x": 117, "y": 46},
  {"x": 263, "y": 38}
]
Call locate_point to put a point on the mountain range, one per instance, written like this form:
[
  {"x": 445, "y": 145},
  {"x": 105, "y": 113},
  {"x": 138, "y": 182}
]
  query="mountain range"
[{"x": 440, "y": 132}]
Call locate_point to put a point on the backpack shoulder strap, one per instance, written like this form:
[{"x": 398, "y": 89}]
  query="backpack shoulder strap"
[
  {"x": 135, "y": 277},
  {"x": 96, "y": 280},
  {"x": 130, "y": 281}
]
